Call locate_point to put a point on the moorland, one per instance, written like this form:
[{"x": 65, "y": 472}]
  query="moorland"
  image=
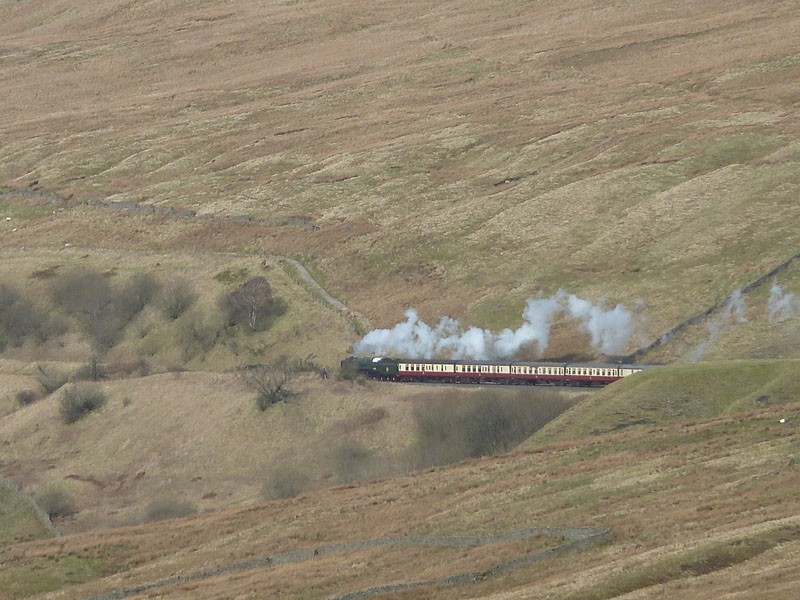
[{"x": 159, "y": 159}]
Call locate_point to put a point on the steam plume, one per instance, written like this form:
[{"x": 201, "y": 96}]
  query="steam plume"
[
  {"x": 732, "y": 313},
  {"x": 782, "y": 305},
  {"x": 609, "y": 330}
]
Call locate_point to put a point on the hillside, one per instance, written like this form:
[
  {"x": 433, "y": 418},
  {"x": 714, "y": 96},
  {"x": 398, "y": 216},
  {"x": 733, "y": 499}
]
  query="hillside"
[
  {"x": 682, "y": 393},
  {"x": 572, "y": 171},
  {"x": 457, "y": 158},
  {"x": 706, "y": 510}
]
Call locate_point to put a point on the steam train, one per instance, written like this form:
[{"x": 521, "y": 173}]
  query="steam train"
[{"x": 499, "y": 372}]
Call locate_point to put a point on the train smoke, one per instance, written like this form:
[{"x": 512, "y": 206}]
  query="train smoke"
[
  {"x": 782, "y": 305},
  {"x": 732, "y": 313},
  {"x": 609, "y": 331}
]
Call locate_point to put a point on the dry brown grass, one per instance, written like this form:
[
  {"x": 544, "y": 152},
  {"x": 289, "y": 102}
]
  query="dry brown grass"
[
  {"x": 667, "y": 493},
  {"x": 628, "y": 151},
  {"x": 172, "y": 434},
  {"x": 458, "y": 157}
]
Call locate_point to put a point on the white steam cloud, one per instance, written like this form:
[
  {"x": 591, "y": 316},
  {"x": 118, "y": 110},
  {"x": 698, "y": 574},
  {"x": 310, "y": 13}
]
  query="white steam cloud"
[
  {"x": 782, "y": 305},
  {"x": 732, "y": 313},
  {"x": 609, "y": 331}
]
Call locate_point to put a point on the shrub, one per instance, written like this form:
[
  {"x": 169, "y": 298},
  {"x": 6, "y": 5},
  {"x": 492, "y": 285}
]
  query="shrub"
[
  {"x": 176, "y": 297},
  {"x": 285, "y": 480},
  {"x": 79, "y": 400},
  {"x": 93, "y": 370},
  {"x": 82, "y": 292},
  {"x": 22, "y": 319},
  {"x": 136, "y": 293},
  {"x": 49, "y": 379},
  {"x": 457, "y": 425},
  {"x": 56, "y": 502},
  {"x": 352, "y": 462},
  {"x": 168, "y": 508},
  {"x": 270, "y": 382},
  {"x": 196, "y": 334},
  {"x": 25, "y": 397}
]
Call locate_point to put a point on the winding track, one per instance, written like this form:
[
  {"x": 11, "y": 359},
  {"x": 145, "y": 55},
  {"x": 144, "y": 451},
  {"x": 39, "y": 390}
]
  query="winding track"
[{"x": 578, "y": 538}]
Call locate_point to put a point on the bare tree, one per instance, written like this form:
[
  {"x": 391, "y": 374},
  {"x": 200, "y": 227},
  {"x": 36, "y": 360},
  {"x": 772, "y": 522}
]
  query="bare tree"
[
  {"x": 176, "y": 296},
  {"x": 271, "y": 382},
  {"x": 101, "y": 310},
  {"x": 22, "y": 319},
  {"x": 251, "y": 303},
  {"x": 196, "y": 334}
]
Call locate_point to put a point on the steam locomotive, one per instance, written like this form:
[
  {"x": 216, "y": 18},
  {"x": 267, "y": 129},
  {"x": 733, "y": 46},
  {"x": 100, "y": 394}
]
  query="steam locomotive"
[{"x": 499, "y": 372}]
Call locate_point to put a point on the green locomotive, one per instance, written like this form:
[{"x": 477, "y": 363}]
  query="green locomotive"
[{"x": 373, "y": 368}]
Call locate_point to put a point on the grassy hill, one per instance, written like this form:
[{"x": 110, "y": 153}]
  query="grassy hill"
[{"x": 682, "y": 393}]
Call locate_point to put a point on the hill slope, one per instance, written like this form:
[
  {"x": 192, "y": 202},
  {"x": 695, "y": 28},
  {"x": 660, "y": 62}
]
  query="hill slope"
[
  {"x": 704, "y": 510},
  {"x": 678, "y": 394},
  {"x": 457, "y": 157}
]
